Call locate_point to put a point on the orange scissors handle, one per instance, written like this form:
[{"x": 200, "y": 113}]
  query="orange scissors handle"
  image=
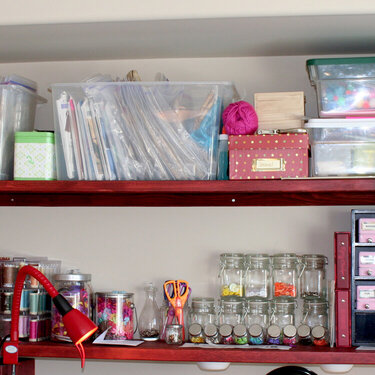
[{"x": 178, "y": 297}]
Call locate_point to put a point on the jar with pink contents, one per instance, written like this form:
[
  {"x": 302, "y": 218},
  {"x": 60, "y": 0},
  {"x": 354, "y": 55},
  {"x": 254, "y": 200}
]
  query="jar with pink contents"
[{"x": 114, "y": 311}]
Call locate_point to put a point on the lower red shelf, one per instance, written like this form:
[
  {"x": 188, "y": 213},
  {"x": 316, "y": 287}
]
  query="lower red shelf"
[{"x": 162, "y": 352}]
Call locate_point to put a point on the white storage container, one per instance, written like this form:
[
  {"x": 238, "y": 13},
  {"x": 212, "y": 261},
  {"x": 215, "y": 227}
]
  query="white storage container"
[
  {"x": 138, "y": 130},
  {"x": 342, "y": 147},
  {"x": 17, "y": 113}
]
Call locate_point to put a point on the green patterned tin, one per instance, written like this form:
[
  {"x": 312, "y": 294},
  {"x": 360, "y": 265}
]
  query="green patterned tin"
[{"x": 34, "y": 156}]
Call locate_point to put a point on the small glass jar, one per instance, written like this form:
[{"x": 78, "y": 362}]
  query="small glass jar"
[
  {"x": 320, "y": 336},
  {"x": 313, "y": 276},
  {"x": 202, "y": 311},
  {"x": 256, "y": 334},
  {"x": 173, "y": 334},
  {"x": 232, "y": 274},
  {"x": 257, "y": 312},
  {"x": 285, "y": 275},
  {"x": 315, "y": 312},
  {"x": 258, "y": 276},
  {"x": 226, "y": 334},
  {"x": 290, "y": 335},
  {"x": 196, "y": 335},
  {"x": 240, "y": 334},
  {"x": 211, "y": 333},
  {"x": 283, "y": 312},
  {"x": 115, "y": 311},
  {"x": 231, "y": 311},
  {"x": 76, "y": 288},
  {"x": 304, "y": 335},
  {"x": 274, "y": 336}
]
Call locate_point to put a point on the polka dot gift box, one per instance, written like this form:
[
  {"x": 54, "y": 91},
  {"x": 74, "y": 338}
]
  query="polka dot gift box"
[{"x": 268, "y": 156}]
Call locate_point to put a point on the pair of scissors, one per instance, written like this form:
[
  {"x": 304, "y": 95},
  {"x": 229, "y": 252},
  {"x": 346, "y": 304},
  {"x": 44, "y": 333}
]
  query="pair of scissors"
[{"x": 177, "y": 292}]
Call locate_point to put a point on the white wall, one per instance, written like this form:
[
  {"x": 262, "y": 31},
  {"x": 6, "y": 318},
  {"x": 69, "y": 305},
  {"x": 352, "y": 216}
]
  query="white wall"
[{"x": 123, "y": 247}]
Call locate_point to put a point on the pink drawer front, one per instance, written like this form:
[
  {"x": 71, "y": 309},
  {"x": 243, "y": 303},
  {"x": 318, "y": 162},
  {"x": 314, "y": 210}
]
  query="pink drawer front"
[
  {"x": 366, "y": 263},
  {"x": 366, "y": 231},
  {"x": 365, "y": 297}
]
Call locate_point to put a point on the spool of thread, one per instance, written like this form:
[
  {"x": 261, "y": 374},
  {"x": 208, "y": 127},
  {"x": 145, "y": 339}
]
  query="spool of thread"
[
  {"x": 34, "y": 303},
  {"x": 5, "y": 323},
  {"x": 34, "y": 329},
  {"x": 24, "y": 325},
  {"x": 240, "y": 118},
  {"x": 6, "y": 302},
  {"x": 25, "y": 300},
  {"x": 9, "y": 275}
]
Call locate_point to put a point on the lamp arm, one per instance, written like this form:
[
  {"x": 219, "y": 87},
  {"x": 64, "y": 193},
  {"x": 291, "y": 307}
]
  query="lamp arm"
[{"x": 26, "y": 270}]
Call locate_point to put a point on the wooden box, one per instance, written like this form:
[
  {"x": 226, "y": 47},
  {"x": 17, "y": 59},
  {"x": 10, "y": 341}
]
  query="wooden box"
[{"x": 280, "y": 110}]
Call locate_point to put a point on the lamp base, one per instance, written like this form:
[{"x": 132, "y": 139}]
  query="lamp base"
[{"x": 10, "y": 353}]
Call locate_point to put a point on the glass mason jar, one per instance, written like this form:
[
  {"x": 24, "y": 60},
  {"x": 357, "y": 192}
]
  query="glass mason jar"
[
  {"x": 173, "y": 334},
  {"x": 232, "y": 274},
  {"x": 231, "y": 311},
  {"x": 226, "y": 334},
  {"x": 211, "y": 333},
  {"x": 257, "y": 276},
  {"x": 257, "y": 312},
  {"x": 76, "y": 288},
  {"x": 196, "y": 335},
  {"x": 315, "y": 312},
  {"x": 320, "y": 336},
  {"x": 256, "y": 334},
  {"x": 285, "y": 275},
  {"x": 283, "y": 312},
  {"x": 240, "y": 334},
  {"x": 202, "y": 311},
  {"x": 313, "y": 276},
  {"x": 115, "y": 311},
  {"x": 304, "y": 335}
]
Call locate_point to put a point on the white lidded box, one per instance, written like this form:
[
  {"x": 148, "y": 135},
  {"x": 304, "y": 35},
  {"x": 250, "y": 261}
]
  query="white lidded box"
[
  {"x": 342, "y": 147},
  {"x": 18, "y": 100},
  {"x": 138, "y": 130}
]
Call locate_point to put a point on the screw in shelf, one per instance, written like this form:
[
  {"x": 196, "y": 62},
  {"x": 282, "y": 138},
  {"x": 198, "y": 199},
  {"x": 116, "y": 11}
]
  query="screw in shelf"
[
  {"x": 233, "y": 200},
  {"x": 342, "y": 243}
]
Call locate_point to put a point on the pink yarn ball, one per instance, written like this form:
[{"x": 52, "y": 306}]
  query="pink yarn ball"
[{"x": 240, "y": 118}]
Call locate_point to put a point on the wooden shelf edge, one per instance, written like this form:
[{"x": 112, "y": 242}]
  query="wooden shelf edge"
[
  {"x": 299, "y": 192},
  {"x": 168, "y": 353}
]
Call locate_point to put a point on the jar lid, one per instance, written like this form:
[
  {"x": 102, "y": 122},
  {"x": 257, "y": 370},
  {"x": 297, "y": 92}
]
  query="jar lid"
[
  {"x": 285, "y": 257},
  {"x": 318, "y": 332},
  {"x": 303, "y": 330},
  {"x": 290, "y": 330},
  {"x": 286, "y": 301},
  {"x": 72, "y": 275},
  {"x": 258, "y": 258},
  {"x": 314, "y": 260},
  {"x": 310, "y": 302},
  {"x": 115, "y": 294},
  {"x": 232, "y": 259},
  {"x": 274, "y": 331},
  {"x": 174, "y": 326},
  {"x": 195, "y": 329},
  {"x": 210, "y": 330},
  {"x": 225, "y": 330},
  {"x": 256, "y": 301},
  {"x": 239, "y": 330},
  {"x": 255, "y": 330}
]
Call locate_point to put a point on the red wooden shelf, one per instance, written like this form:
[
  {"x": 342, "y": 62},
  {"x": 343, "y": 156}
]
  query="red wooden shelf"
[
  {"x": 299, "y": 192},
  {"x": 162, "y": 352}
]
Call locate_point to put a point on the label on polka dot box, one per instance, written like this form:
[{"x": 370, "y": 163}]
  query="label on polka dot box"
[{"x": 268, "y": 156}]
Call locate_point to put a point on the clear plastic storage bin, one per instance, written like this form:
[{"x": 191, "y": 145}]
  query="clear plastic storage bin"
[
  {"x": 344, "y": 86},
  {"x": 342, "y": 147},
  {"x": 138, "y": 130},
  {"x": 18, "y": 100}
]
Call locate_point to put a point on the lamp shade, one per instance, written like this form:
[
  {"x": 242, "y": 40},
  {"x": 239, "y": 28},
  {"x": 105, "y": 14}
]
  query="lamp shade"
[{"x": 78, "y": 326}]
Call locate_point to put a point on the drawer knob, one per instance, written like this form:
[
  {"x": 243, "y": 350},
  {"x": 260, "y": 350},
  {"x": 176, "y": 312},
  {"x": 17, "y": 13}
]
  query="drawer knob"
[
  {"x": 367, "y": 306},
  {"x": 369, "y": 272}
]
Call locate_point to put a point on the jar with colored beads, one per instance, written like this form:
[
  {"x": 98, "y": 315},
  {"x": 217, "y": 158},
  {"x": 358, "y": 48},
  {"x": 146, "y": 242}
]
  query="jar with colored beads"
[
  {"x": 76, "y": 288},
  {"x": 256, "y": 334},
  {"x": 315, "y": 312},
  {"x": 226, "y": 334},
  {"x": 116, "y": 312},
  {"x": 231, "y": 311},
  {"x": 211, "y": 334},
  {"x": 240, "y": 334},
  {"x": 313, "y": 276},
  {"x": 283, "y": 312},
  {"x": 290, "y": 335},
  {"x": 202, "y": 311},
  {"x": 258, "y": 276},
  {"x": 257, "y": 312},
  {"x": 232, "y": 274},
  {"x": 320, "y": 336},
  {"x": 285, "y": 275},
  {"x": 196, "y": 335}
]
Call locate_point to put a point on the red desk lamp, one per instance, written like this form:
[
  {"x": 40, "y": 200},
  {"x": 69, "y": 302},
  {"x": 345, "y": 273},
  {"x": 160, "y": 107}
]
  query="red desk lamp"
[{"x": 78, "y": 326}]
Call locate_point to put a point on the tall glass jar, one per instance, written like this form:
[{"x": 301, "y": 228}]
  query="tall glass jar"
[
  {"x": 258, "y": 276},
  {"x": 231, "y": 311},
  {"x": 232, "y": 274},
  {"x": 115, "y": 311},
  {"x": 285, "y": 275},
  {"x": 283, "y": 312},
  {"x": 202, "y": 311},
  {"x": 257, "y": 312},
  {"x": 313, "y": 276},
  {"x": 315, "y": 312},
  {"x": 149, "y": 319},
  {"x": 76, "y": 288}
]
